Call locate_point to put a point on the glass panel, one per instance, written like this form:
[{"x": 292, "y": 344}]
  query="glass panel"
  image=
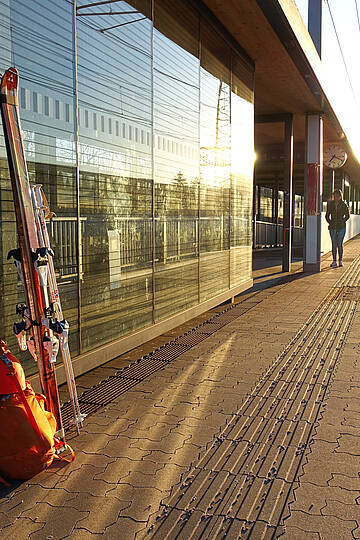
[
  {"x": 242, "y": 163},
  {"x": 215, "y": 164},
  {"x": 266, "y": 204},
  {"x": 298, "y": 206},
  {"x": 280, "y": 206},
  {"x": 176, "y": 157},
  {"x": 43, "y": 53},
  {"x": 115, "y": 172},
  {"x": 159, "y": 172}
]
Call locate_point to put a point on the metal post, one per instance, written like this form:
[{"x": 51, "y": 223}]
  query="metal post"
[
  {"x": 313, "y": 192},
  {"x": 77, "y": 176},
  {"x": 288, "y": 188},
  {"x": 153, "y": 190}
]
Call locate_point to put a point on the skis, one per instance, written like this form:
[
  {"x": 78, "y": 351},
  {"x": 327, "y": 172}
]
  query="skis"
[
  {"x": 54, "y": 319},
  {"x": 33, "y": 260}
]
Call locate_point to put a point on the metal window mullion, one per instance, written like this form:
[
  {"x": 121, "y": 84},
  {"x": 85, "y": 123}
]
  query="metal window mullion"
[
  {"x": 230, "y": 179},
  {"x": 199, "y": 168},
  {"x": 153, "y": 164},
  {"x": 77, "y": 172}
]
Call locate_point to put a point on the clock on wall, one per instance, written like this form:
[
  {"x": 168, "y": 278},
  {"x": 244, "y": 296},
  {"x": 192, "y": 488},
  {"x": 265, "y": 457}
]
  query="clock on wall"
[{"x": 334, "y": 156}]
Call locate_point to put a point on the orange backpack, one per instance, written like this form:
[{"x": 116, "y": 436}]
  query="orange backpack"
[{"x": 27, "y": 444}]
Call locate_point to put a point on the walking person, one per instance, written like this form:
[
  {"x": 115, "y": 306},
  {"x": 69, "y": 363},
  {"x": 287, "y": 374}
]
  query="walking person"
[{"x": 337, "y": 214}]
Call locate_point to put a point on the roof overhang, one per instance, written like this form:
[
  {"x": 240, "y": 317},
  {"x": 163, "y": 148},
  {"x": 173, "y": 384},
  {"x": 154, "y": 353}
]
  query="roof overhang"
[{"x": 289, "y": 74}]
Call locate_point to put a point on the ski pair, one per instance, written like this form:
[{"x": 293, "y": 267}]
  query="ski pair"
[
  {"x": 53, "y": 316},
  {"x": 35, "y": 265}
]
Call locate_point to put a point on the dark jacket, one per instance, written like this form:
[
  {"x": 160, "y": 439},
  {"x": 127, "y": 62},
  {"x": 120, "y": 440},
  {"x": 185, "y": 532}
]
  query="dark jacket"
[{"x": 337, "y": 214}]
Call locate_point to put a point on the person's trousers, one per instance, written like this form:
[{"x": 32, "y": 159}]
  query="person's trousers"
[{"x": 337, "y": 239}]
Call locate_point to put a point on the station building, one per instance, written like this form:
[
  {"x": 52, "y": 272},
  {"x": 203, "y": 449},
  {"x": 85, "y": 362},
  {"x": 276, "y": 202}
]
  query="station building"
[{"x": 171, "y": 139}]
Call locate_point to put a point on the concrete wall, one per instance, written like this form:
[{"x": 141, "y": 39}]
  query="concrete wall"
[{"x": 352, "y": 229}]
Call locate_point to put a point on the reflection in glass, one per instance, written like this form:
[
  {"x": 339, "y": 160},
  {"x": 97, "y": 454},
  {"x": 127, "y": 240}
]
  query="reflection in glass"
[
  {"x": 114, "y": 70},
  {"x": 215, "y": 163},
  {"x": 43, "y": 54},
  {"x": 165, "y": 112},
  {"x": 242, "y": 162},
  {"x": 176, "y": 157}
]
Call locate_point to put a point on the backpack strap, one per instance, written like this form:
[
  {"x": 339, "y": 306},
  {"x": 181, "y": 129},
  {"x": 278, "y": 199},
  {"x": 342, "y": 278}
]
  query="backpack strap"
[
  {"x": 61, "y": 458},
  {"x": 4, "y": 357}
]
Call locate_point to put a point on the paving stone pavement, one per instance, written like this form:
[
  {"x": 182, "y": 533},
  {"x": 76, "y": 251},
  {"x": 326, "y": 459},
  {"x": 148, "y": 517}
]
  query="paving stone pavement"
[{"x": 252, "y": 433}]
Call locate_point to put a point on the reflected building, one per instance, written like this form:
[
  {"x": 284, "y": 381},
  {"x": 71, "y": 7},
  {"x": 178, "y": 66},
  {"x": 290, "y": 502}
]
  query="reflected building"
[{"x": 140, "y": 127}]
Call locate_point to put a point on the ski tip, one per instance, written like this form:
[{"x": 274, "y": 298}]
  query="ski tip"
[{"x": 9, "y": 81}]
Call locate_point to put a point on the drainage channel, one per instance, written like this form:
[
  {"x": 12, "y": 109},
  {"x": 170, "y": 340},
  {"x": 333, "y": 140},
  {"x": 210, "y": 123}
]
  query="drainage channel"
[{"x": 107, "y": 390}]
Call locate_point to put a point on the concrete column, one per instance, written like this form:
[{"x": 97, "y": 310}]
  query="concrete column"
[
  {"x": 288, "y": 188},
  {"x": 313, "y": 192}
]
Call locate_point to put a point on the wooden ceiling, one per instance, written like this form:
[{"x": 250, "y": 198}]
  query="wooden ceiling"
[
  {"x": 272, "y": 133},
  {"x": 279, "y": 87}
]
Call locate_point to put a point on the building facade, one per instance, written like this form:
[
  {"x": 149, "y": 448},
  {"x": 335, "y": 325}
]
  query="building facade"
[{"x": 138, "y": 120}]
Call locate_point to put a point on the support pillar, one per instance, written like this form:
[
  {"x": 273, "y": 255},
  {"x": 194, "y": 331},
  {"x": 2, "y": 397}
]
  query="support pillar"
[
  {"x": 313, "y": 192},
  {"x": 288, "y": 188}
]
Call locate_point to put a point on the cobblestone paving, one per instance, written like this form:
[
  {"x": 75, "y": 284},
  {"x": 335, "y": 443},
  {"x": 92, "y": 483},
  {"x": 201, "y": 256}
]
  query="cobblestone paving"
[
  {"x": 252, "y": 432},
  {"x": 243, "y": 482}
]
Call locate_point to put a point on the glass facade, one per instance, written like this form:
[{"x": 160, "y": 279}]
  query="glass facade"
[{"x": 140, "y": 127}]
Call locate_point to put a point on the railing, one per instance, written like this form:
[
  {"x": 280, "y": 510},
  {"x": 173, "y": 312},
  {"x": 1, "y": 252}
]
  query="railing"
[
  {"x": 63, "y": 237},
  {"x": 135, "y": 240},
  {"x": 175, "y": 240},
  {"x": 130, "y": 241},
  {"x": 271, "y": 235},
  {"x": 298, "y": 236},
  {"x": 268, "y": 234}
]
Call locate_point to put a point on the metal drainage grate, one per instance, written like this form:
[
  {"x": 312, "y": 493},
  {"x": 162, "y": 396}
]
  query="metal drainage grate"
[
  {"x": 140, "y": 369},
  {"x": 211, "y": 327},
  {"x": 107, "y": 390},
  {"x": 191, "y": 339},
  {"x": 86, "y": 408},
  {"x": 169, "y": 352}
]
